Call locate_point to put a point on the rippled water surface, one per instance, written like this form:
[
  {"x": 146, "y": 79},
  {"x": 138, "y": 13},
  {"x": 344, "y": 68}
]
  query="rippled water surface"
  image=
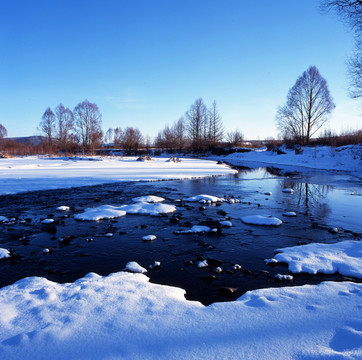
[{"x": 321, "y": 201}]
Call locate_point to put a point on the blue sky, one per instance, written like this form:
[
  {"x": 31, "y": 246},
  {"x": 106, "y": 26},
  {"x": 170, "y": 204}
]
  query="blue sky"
[{"x": 145, "y": 62}]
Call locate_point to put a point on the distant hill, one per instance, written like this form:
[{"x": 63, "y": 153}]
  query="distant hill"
[{"x": 33, "y": 140}]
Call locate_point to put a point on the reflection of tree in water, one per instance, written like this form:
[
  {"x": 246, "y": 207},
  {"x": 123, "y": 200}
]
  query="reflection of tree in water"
[{"x": 310, "y": 197}]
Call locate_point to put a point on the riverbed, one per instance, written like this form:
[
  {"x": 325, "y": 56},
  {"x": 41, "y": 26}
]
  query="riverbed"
[{"x": 322, "y": 202}]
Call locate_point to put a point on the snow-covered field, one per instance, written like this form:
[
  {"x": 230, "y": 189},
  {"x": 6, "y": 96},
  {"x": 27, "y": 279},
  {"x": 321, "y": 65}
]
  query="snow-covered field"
[
  {"x": 344, "y": 158},
  {"x": 123, "y": 316},
  {"x": 43, "y": 173}
]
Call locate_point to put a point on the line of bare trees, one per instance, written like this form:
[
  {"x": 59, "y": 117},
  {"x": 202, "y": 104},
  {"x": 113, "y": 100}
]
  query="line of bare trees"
[{"x": 67, "y": 130}]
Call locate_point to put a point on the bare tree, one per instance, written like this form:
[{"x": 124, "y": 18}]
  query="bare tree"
[
  {"x": 308, "y": 107},
  {"x": 117, "y": 136},
  {"x": 350, "y": 11},
  {"x": 64, "y": 117},
  {"x": 216, "y": 129},
  {"x": 88, "y": 120},
  {"x": 108, "y": 137},
  {"x": 48, "y": 125},
  {"x": 235, "y": 138},
  {"x": 179, "y": 132},
  {"x": 132, "y": 139},
  {"x": 196, "y": 119},
  {"x": 3, "y": 131}
]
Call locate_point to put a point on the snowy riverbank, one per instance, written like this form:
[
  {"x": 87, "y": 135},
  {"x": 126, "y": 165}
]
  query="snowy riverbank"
[
  {"x": 123, "y": 316},
  {"x": 344, "y": 158},
  {"x": 43, "y": 173}
]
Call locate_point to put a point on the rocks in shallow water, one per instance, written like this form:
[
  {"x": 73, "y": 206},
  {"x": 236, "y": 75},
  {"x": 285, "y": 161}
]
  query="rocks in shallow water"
[
  {"x": 214, "y": 262},
  {"x": 67, "y": 239},
  {"x": 188, "y": 262},
  {"x": 280, "y": 277},
  {"x": 333, "y": 230},
  {"x": 237, "y": 267},
  {"x": 208, "y": 277},
  {"x": 212, "y": 224},
  {"x": 221, "y": 212},
  {"x": 49, "y": 227},
  {"x": 227, "y": 291},
  {"x": 218, "y": 270}
]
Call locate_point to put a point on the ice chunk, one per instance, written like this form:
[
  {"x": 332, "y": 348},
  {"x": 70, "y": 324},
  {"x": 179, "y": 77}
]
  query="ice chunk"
[
  {"x": 101, "y": 212},
  {"x": 261, "y": 220},
  {"x": 197, "y": 198},
  {"x": 4, "y": 253},
  {"x": 47, "y": 221},
  {"x": 148, "y": 199},
  {"x": 63, "y": 208},
  {"x": 148, "y": 209},
  {"x": 290, "y": 214},
  {"x": 149, "y": 237}
]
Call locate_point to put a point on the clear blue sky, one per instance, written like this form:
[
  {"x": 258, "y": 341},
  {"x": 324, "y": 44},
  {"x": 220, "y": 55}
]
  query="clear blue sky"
[{"x": 144, "y": 62}]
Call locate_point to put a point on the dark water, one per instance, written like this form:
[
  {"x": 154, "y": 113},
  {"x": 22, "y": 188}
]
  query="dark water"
[{"x": 320, "y": 201}]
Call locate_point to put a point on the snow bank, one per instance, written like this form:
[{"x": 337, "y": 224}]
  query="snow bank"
[
  {"x": 148, "y": 209},
  {"x": 261, "y": 220},
  {"x": 33, "y": 173},
  {"x": 62, "y": 208},
  {"x": 101, "y": 212},
  {"x": 123, "y": 316},
  {"x": 344, "y": 258},
  {"x": 343, "y": 158}
]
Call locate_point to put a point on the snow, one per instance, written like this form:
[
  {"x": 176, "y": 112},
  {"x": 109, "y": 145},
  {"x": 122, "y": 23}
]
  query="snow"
[
  {"x": 289, "y": 213},
  {"x": 148, "y": 209},
  {"x": 3, "y": 219},
  {"x": 195, "y": 229},
  {"x": 344, "y": 258},
  {"x": 101, "y": 212},
  {"x": 203, "y": 198},
  {"x": 62, "y": 208},
  {"x": 288, "y": 191},
  {"x": 226, "y": 223},
  {"x": 282, "y": 277},
  {"x": 124, "y": 316},
  {"x": 261, "y": 220},
  {"x": 202, "y": 264},
  {"x": 149, "y": 238},
  {"x": 134, "y": 267},
  {"x": 47, "y": 221},
  {"x": 149, "y": 199},
  {"x": 343, "y": 158},
  {"x": 31, "y": 173},
  {"x": 4, "y": 253}
]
